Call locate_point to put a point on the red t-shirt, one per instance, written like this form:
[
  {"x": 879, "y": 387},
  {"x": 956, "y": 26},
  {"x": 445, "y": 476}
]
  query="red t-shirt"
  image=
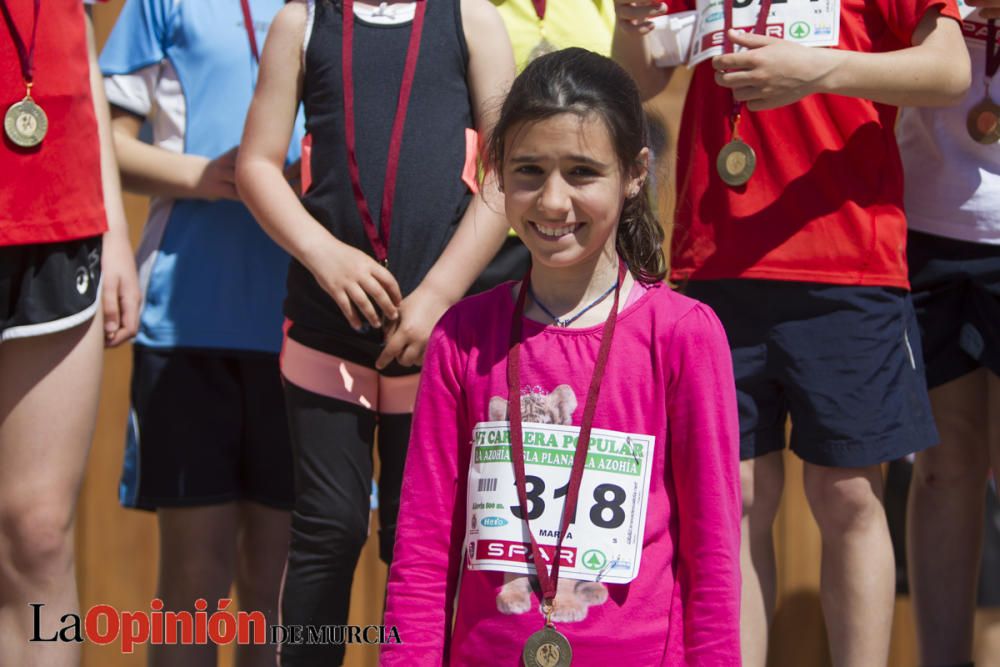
[
  {"x": 825, "y": 203},
  {"x": 51, "y": 192}
]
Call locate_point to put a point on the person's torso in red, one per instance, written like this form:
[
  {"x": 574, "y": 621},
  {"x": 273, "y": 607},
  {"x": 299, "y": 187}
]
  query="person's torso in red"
[
  {"x": 51, "y": 192},
  {"x": 825, "y": 202}
]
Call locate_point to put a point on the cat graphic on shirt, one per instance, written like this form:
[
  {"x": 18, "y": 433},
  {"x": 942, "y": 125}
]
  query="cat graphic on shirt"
[{"x": 572, "y": 597}]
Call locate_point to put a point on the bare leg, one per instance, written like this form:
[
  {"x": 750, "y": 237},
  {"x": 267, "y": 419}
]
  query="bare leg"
[
  {"x": 762, "y": 480},
  {"x": 857, "y": 577},
  {"x": 263, "y": 548},
  {"x": 946, "y": 508},
  {"x": 988, "y": 637},
  {"x": 197, "y": 560},
  {"x": 49, "y": 388}
]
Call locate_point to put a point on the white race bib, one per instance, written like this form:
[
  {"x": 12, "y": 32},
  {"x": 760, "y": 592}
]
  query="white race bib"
[
  {"x": 605, "y": 541},
  {"x": 806, "y": 22}
]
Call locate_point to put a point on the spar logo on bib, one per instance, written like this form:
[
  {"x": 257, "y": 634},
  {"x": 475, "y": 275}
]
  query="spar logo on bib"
[
  {"x": 799, "y": 30},
  {"x": 594, "y": 559}
]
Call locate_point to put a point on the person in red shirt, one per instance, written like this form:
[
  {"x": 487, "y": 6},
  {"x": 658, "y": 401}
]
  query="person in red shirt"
[
  {"x": 67, "y": 283},
  {"x": 802, "y": 255}
]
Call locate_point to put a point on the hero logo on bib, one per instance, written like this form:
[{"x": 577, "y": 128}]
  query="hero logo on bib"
[{"x": 806, "y": 22}]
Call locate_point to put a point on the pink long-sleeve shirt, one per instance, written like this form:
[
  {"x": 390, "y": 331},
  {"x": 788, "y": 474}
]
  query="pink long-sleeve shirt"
[{"x": 669, "y": 375}]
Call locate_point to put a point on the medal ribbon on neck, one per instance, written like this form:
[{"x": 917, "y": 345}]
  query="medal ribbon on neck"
[
  {"x": 251, "y": 33},
  {"x": 549, "y": 581},
  {"x": 728, "y": 47},
  {"x": 379, "y": 242},
  {"x": 992, "y": 53},
  {"x": 25, "y": 54}
]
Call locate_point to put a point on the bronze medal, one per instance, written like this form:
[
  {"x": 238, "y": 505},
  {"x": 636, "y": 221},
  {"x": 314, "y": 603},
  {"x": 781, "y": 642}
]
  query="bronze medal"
[
  {"x": 983, "y": 122},
  {"x": 547, "y": 648},
  {"x": 25, "y": 123},
  {"x": 542, "y": 48},
  {"x": 736, "y": 163}
]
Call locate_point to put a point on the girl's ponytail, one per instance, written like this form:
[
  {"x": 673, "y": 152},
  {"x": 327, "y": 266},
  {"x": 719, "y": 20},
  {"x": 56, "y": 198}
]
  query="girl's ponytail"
[{"x": 640, "y": 239}]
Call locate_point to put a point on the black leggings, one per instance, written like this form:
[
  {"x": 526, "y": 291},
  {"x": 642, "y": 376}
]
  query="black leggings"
[{"x": 332, "y": 450}]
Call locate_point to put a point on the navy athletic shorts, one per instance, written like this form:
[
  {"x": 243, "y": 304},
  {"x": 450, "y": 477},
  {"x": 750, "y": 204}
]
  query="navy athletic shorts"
[
  {"x": 48, "y": 287},
  {"x": 206, "y": 427},
  {"x": 956, "y": 292},
  {"x": 843, "y": 361}
]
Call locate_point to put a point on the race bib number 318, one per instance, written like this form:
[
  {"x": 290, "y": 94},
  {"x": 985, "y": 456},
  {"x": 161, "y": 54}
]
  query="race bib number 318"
[{"x": 603, "y": 543}]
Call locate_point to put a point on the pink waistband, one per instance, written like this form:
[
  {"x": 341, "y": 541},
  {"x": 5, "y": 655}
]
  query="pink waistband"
[{"x": 329, "y": 375}]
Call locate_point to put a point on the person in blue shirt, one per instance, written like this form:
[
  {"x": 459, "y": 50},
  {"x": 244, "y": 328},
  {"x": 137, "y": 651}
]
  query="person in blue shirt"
[{"x": 207, "y": 444}]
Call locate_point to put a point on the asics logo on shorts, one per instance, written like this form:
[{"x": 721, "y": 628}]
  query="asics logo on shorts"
[{"x": 82, "y": 280}]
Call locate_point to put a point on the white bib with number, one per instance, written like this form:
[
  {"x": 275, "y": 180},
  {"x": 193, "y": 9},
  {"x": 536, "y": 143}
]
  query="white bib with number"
[
  {"x": 604, "y": 543},
  {"x": 806, "y": 22}
]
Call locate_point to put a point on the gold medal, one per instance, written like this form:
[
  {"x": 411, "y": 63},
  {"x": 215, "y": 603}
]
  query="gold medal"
[
  {"x": 542, "y": 48},
  {"x": 547, "y": 648},
  {"x": 25, "y": 123},
  {"x": 983, "y": 122},
  {"x": 736, "y": 162}
]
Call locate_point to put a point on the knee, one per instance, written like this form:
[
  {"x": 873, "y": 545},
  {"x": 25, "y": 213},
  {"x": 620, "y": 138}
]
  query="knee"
[
  {"x": 761, "y": 489},
  {"x": 936, "y": 472},
  {"x": 333, "y": 536},
  {"x": 199, "y": 572},
  {"x": 842, "y": 500},
  {"x": 39, "y": 540}
]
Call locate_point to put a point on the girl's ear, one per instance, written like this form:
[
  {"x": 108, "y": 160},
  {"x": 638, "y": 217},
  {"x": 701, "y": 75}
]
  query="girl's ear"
[{"x": 640, "y": 169}]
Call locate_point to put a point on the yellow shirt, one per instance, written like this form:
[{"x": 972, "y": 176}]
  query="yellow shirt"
[{"x": 588, "y": 24}]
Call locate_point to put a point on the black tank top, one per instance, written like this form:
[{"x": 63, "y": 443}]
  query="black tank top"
[{"x": 430, "y": 194}]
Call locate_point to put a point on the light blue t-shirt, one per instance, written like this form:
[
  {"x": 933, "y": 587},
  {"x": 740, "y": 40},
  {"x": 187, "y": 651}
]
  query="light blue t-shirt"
[{"x": 211, "y": 277}]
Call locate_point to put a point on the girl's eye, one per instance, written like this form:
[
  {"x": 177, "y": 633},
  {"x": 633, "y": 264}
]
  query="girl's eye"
[
  {"x": 528, "y": 169},
  {"x": 583, "y": 171}
]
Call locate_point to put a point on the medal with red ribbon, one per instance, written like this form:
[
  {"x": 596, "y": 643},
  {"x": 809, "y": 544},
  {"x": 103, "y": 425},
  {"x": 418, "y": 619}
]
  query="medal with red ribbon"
[
  {"x": 548, "y": 647},
  {"x": 544, "y": 45},
  {"x": 378, "y": 239},
  {"x": 983, "y": 121},
  {"x": 25, "y": 123},
  {"x": 737, "y": 160}
]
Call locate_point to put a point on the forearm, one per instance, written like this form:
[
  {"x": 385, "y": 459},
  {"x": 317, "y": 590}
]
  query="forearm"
[
  {"x": 150, "y": 170},
  {"x": 264, "y": 190},
  {"x": 629, "y": 49},
  {"x": 479, "y": 236},
  {"x": 934, "y": 73}
]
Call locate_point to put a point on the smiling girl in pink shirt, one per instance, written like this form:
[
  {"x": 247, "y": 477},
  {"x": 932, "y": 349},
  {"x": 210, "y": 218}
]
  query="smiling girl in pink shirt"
[{"x": 593, "y": 348}]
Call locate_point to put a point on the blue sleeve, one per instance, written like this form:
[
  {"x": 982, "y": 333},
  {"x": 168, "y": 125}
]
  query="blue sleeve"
[{"x": 139, "y": 38}]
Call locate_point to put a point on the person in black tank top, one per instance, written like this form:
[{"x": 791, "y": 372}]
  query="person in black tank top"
[{"x": 391, "y": 230}]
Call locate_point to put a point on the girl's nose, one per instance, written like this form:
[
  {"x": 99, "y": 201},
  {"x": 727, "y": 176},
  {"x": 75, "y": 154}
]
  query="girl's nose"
[{"x": 554, "y": 197}]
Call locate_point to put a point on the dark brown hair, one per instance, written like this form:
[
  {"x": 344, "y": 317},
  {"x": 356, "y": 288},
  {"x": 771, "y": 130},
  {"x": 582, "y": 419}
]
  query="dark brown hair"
[{"x": 581, "y": 82}]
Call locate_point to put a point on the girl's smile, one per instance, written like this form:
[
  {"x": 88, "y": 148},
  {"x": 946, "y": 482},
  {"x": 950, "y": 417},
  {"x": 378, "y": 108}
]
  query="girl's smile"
[{"x": 550, "y": 232}]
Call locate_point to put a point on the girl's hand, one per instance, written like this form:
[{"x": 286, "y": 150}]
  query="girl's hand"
[
  {"x": 354, "y": 281},
  {"x": 638, "y": 14},
  {"x": 120, "y": 298},
  {"x": 989, "y": 9},
  {"x": 218, "y": 179},
  {"x": 406, "y": 339},
  {"x": 772, "y": 72}
]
